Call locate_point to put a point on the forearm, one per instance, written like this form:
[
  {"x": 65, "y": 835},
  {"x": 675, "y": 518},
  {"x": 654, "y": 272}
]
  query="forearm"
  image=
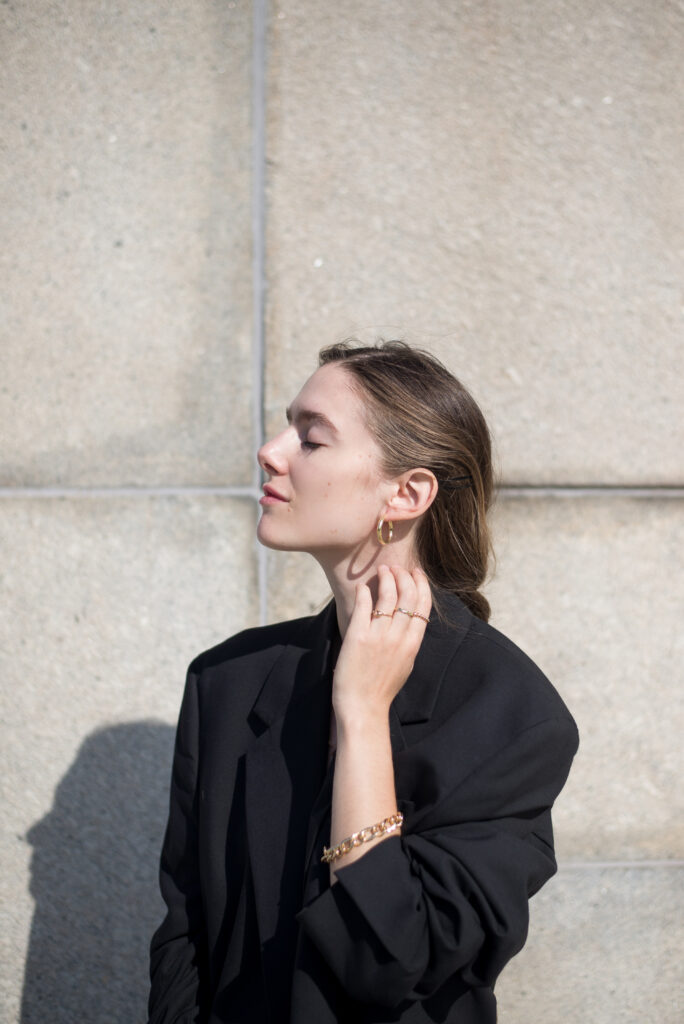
[
  {"x": 376, "y": 658},
  {"x": 363, "y": 786}
]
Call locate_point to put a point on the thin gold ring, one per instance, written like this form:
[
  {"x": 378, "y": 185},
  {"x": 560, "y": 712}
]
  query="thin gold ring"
[
  {"x": 417, "y": 615},
  {"x": 404, "y": 611},
  {"x": 375, "y": 614}
]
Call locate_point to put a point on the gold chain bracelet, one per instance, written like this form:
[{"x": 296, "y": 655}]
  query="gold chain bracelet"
[{"x": 365, "y": 835}]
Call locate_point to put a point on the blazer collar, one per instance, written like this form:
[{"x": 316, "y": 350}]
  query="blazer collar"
[{"x": 302, "y": 661}]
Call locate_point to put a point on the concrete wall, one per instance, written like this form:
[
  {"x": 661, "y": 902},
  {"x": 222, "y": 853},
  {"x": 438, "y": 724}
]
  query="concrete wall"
[{"x": 197, "y": 196}]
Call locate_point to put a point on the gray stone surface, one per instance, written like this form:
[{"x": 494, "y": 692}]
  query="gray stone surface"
[
  {"x": 126, "y": 243},
  {"x": 297, "y": 585},
  {"x": 103, "y": 605},
  {"x": 605, "y": 946},
  {"x": 592, "y": 590},
  {"x": 502, "y": 182}
]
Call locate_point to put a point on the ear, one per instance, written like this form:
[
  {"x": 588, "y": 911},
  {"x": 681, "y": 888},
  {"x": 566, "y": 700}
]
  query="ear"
[{"x": 414, "y": 492}]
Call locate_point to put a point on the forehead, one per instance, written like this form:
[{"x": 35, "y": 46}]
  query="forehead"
[{"x": 330, "y": 391}]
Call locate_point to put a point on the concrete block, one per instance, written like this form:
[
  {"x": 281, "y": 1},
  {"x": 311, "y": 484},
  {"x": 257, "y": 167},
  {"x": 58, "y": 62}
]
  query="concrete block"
[
  {"x": 502, "y": 184},
  {"x": 592, "y": 590},
  {"x": 126, "y": 244},
  {"x": 104, "y": 604},
  {"x": 604, "y": 946}
]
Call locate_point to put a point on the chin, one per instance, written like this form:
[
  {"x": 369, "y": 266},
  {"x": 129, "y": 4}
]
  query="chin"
[{"x": 265, "y": 537}]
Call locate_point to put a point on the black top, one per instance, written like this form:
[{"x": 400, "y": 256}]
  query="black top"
[{"x": 418, "y": 928}]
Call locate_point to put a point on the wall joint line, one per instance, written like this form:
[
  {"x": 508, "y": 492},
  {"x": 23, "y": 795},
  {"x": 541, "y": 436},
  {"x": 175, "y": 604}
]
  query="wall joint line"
[{"x": 259, "y": 41}]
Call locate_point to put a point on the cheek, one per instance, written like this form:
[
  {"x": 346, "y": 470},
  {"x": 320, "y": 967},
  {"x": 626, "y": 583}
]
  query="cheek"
[
  {"x": 366, "y": 475},
  {"x": 356, "y": 480}
]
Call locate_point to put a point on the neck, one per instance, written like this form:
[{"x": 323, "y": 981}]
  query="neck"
[{"x": 361, "y": 566}]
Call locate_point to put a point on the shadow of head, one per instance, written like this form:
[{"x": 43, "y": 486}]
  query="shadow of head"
[{"x": 94, "y": 880}]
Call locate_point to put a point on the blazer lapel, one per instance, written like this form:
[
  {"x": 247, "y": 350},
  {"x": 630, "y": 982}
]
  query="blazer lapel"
[
  {"x": 415, "y": 703},
  {"x": 285, "y": 764},
  {"x": 416, "y": 700}
]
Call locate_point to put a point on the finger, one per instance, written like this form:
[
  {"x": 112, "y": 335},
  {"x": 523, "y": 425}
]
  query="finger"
[
  {"x": 387, "y": 593},
  {"x": 423, "y": 596},
  {"x": 406, "y": 595},
  {"x": 363, "y": 606}
]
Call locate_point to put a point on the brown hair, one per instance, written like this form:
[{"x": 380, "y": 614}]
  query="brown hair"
[{"x": 422, "y": 416}]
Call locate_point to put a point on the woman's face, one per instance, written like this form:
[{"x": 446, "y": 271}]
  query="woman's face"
[{"x": 324, "y": 491}]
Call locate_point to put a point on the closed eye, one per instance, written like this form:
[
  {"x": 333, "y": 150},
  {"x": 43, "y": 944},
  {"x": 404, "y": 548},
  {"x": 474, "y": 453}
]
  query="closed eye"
[{"x": 310, "y": 445}]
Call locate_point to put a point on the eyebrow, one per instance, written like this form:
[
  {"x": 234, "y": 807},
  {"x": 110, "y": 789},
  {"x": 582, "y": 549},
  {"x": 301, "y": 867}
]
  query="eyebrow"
[{"x": 310, "y": 416}]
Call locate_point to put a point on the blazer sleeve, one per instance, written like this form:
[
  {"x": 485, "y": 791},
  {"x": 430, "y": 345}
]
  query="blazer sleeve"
[
  {"x": 449, "y": 896},
  {"x": 177, "y": 951}
]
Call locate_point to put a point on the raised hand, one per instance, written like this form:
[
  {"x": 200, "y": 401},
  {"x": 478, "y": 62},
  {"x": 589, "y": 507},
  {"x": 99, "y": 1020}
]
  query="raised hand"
[{"x": 381, "y": 644}]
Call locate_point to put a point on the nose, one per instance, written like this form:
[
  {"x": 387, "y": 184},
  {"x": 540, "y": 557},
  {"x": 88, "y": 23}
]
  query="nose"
[{"x": 271, "y": 456}]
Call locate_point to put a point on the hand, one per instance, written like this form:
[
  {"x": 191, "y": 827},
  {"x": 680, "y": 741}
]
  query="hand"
[{"x": 377, "y": 654}]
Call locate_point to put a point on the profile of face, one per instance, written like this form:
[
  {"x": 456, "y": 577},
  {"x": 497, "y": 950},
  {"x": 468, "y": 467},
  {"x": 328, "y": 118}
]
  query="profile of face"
[{"x": 325, "y": 490}]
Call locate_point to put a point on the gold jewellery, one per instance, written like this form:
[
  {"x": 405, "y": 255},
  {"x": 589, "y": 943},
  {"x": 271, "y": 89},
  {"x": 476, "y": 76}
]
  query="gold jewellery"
[
  {"x": 377, "y": 614},
  {"x": 365, "y": 835},
  {"x": 390, "y": 531}
]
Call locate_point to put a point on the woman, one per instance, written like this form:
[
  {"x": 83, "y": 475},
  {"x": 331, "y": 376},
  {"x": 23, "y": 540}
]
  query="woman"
[{"x": 360, "y": 800}]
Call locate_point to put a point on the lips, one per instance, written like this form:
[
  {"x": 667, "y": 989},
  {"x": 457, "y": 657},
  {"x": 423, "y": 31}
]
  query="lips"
[{"x": 271, "y": 492}]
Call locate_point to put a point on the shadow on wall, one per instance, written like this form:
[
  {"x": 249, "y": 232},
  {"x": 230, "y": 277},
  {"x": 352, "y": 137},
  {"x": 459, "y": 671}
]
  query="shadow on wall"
[{"x": 94, "y": 880}]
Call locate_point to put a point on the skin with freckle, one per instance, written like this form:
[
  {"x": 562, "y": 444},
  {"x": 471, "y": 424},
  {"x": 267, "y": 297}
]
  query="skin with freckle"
[{"x": 316, "y": 516}]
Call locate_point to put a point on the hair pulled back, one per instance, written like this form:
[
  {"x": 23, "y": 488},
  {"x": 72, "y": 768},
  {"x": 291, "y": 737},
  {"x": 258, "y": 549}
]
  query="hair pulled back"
[{"x": 422, "y": 416}]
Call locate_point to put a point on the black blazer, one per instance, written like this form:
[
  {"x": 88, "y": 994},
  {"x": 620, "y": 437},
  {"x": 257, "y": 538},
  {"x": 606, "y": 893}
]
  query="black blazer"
[{"x": 418, "y": 928}]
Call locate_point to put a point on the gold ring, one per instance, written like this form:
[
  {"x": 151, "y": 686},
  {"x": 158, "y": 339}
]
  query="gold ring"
[
  {"x": 417, "y": 615},
  {"x": 375, "y": 614},
  {"x": 404, "y": 612}
]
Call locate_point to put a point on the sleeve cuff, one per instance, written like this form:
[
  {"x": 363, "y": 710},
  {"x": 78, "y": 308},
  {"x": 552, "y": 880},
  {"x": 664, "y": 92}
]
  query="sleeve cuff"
[{"x": 380, "y": 887}]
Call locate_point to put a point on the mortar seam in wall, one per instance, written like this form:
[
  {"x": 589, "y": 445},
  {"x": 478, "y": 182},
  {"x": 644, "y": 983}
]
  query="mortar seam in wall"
[
  {"x": 584, "y": 865},
  {"x": 590, "y": 490},
  {"x": 259, "y": 29},
  {"x": 254, "y": 491}
]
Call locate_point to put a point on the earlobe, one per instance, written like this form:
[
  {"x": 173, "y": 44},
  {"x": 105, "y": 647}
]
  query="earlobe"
[{"x": 417, "y": 491}]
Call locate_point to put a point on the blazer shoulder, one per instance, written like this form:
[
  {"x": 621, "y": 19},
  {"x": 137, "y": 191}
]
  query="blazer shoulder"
[
  {"x": 509, "y": 678},
  {"x": 256, "y": 642}
]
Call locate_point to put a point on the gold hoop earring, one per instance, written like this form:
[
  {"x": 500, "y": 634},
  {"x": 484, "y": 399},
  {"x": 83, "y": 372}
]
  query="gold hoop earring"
[{"x": 390, "y": 531}]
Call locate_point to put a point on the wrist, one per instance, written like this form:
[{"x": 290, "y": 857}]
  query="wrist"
[{"x": 361, "y": 720}]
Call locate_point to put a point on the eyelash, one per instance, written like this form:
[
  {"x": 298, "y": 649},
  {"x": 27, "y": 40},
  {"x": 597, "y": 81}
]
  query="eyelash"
[{"x": 310, "y": 445}]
